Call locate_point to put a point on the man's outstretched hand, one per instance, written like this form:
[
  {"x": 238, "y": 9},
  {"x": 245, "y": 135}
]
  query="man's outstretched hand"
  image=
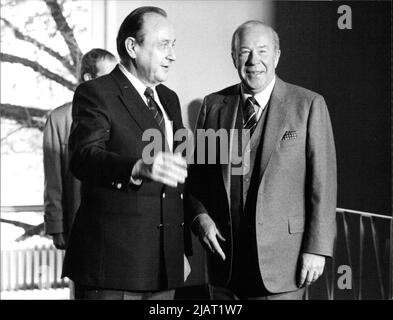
[{"x": 167, "y": 168}]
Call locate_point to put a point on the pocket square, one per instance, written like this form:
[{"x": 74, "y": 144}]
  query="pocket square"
[{"x": 289, "y": 135}]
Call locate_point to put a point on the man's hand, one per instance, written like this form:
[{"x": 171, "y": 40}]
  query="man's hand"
[
  {"x": 311, "y": 268},
  {"x": 208, "y": 234},
  {"x": 167, "y": 168},
  {"x": 187, "y": 268},
  {"x": 58, "y": 241}
]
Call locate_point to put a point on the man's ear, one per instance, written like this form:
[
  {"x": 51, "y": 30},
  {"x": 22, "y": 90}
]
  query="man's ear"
[
  {"x": 130, "y": 44},
  {"x": 87, "y": 76},
  {"x": 277, "y": 58},
  {"x": 234, "y": 60}
]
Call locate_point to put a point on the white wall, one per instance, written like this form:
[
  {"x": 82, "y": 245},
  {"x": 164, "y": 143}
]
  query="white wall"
[{"x": 203, "y": 30}]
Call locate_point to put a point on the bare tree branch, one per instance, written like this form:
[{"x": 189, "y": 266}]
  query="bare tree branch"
[
  {"x": 27, "y": 116},
  {"x": 38, "y": 68},
  {"x": 30, "y": 229},
  {"x": 11, "y": 133},
  {"x": 65, "y": 30},
  {"x": 35, "y": 230},
  {"x": 7, "y": 110},
  {"x": 25, "y": 226},
  {"x": 21, "y": 36}
]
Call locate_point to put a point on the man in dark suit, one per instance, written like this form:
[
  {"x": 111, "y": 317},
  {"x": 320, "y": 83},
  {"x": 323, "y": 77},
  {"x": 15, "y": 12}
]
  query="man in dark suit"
[
  {"x": 127, "y": 241},
  {"x": 268, "y": 229}
]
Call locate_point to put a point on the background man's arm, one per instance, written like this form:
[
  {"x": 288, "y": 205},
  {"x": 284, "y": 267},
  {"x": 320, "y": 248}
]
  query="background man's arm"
[{"x": 53, "y": 188}]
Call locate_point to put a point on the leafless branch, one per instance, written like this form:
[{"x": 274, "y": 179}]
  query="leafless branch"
[
  {"x": 25, "y": 226},
  {"x": 65, "y": 30},
  {"x": 21, "y": 36},
  {"x": 35, "y": 230},
  {"x": 11, "y": 133},
  {"x": 27, "y": 116},
  {"x": 38, "y": 68}
]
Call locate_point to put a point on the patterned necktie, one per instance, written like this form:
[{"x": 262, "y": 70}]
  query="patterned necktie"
[
  {"x": 250, "y": 115},
  {"x": 154, "y": 108}
]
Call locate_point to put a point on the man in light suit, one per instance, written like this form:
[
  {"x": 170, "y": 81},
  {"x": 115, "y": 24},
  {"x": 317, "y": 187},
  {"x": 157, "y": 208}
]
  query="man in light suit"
[
  {"x": 62, "y": 190},
  {"x": 268, "y": 230},
  {"x": 128, "y": 239}
]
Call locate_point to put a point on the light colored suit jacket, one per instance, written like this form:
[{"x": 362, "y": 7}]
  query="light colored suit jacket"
[
  {"x": 296, "y": 202},
  {"x": 62, "y": 189}
]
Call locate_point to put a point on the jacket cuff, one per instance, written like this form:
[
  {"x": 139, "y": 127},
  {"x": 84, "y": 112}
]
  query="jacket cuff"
[{"x": 52, "y": 227}]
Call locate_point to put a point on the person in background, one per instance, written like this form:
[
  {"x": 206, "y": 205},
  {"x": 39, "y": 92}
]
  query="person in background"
[{"x": 62, "y": 189}]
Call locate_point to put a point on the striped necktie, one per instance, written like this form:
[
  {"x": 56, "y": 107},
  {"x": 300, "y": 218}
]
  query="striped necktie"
[
  {"x": 154, "y": 108},
  {"x": 250, "y": 114}
]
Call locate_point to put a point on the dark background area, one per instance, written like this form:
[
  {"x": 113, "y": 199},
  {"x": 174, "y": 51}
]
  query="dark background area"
[{"x": 351, "y": 69}]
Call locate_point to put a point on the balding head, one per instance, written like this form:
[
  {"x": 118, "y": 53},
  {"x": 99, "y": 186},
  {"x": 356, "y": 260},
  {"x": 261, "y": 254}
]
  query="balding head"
[
  {"x": 254, "y": 24},
  {"x": 255, "y": 54}
]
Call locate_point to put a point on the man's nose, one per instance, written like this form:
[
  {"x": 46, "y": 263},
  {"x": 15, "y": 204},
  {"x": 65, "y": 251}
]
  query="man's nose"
[
  {"x": 171, "y": 54},
  {"x": 253, "y": 58}
]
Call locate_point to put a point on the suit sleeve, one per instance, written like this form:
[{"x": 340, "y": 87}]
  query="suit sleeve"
[
  {"x": 53, "y": 188},
  {"x": 196, "y": 191},
  {"x": 321, "y": 182},
  {"x": 91, "y": 161}
]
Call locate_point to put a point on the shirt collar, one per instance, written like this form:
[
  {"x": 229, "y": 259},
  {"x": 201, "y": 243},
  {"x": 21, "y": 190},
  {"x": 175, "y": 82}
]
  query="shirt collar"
[
  {"x": 263, "y": 96},
  {"x": 138, "y": 84}
]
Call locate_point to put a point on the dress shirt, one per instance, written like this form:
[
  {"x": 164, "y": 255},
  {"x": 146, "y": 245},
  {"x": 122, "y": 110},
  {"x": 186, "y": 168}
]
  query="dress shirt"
[{"x": 261, "y": 97}]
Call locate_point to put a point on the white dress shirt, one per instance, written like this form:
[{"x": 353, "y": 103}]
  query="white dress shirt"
[
  {"x": 261, "y": 97},
  {"x": 140, "y": 87}
]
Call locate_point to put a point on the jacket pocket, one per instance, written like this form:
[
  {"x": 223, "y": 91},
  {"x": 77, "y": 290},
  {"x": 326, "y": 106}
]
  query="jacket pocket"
[
  {"x": 295, "y": 225},
  {"x": 290, "y": 143}
]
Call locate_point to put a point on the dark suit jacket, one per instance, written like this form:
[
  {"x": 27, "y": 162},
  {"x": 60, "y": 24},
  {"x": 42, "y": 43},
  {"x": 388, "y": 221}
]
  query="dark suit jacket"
[
  {"x": 120, "y": 229},
  {"x": 296, "y": 200}
]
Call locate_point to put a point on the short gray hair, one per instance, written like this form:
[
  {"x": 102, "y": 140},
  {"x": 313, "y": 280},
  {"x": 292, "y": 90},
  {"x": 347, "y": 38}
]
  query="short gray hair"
[{"x": 251, "y": 23}]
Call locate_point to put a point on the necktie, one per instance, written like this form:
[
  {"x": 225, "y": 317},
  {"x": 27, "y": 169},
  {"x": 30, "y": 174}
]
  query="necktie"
[
  {"x": 250, "y": 115},
  {"x": 154, "y": 108}
]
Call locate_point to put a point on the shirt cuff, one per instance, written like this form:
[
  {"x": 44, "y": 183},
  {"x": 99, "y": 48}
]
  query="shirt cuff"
[{"x": 135, "y": 181}]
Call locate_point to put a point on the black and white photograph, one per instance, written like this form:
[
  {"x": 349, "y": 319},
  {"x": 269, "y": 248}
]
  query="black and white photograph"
[{"x": 196, "y": 151}]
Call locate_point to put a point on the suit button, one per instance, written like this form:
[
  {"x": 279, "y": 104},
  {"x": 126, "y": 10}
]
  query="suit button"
[
  {"x": 181, "y": 196},
  {"x": 160, "y": 226},
  {"x": 182, "y": 224},
  {"x": 118, "y": 185},
  {"x": 163, "y": 195}
]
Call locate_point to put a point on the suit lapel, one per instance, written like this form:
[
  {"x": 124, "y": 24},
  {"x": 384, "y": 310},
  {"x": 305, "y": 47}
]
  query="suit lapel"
[
  {"x": 133, "y": 102},
  {"x": 170, "y": 106},
  {"x": 275, "y": 122},
  {"x": 227, "y": 119}
]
